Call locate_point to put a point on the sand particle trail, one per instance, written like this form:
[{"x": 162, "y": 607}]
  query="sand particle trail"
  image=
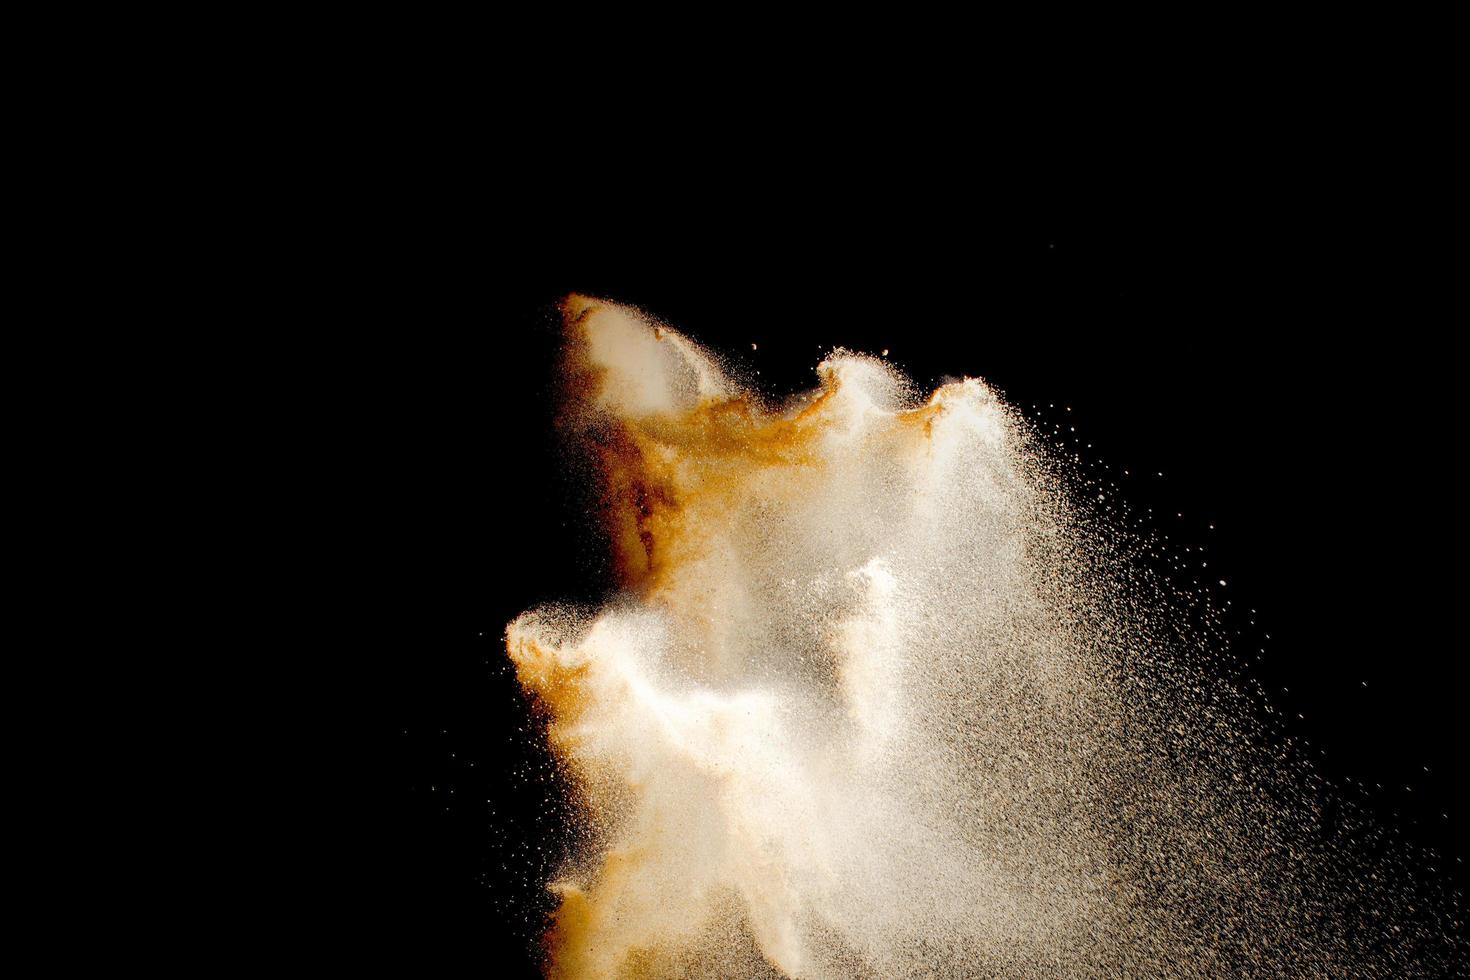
[{"x": 871, "y": 702}]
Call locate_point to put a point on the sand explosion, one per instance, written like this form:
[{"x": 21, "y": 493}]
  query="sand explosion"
[{"x": 873, "y": 702}]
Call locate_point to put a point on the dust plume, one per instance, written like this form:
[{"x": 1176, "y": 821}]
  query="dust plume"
[{"x": 873, "y": 699}]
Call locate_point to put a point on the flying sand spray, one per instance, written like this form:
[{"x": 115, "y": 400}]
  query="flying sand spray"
[{"x": 872, "y": 701}]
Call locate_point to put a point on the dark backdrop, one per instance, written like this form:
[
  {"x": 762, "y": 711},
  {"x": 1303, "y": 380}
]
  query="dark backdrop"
[{"x": 1294, "y": 376}]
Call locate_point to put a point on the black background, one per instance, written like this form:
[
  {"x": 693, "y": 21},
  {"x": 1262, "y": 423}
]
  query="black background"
[{"x": 1294, "y": 374}]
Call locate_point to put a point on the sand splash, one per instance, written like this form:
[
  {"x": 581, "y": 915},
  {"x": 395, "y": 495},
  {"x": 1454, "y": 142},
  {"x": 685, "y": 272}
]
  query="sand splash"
[{"x": 871, "y": 702}]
